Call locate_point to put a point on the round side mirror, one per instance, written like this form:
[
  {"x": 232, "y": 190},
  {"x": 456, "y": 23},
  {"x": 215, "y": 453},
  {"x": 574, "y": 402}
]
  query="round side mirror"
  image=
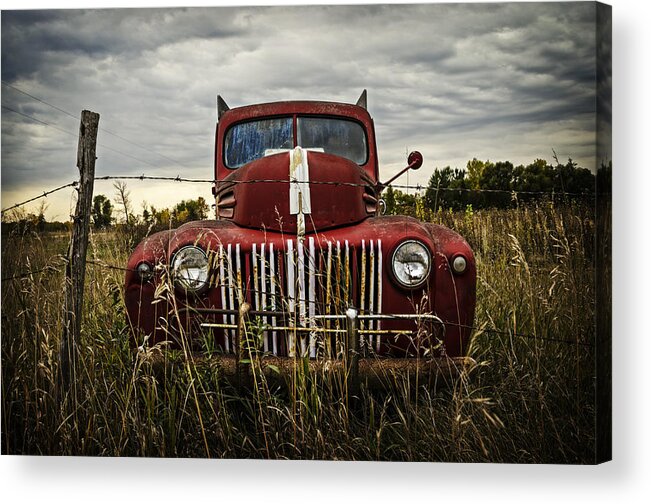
[
  {"x": 415, "y": 160},
  {"x": 382, "y": 205}
]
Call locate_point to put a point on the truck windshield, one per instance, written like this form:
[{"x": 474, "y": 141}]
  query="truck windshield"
[
  {"x": 335, "y": 136},
  {"x": 248, "y": 141}
]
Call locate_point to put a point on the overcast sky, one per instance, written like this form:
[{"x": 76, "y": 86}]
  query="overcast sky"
[{"x": 455, "y": 81}]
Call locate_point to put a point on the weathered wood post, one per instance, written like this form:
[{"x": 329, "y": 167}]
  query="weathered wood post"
[{"x": 76, "y": 264}]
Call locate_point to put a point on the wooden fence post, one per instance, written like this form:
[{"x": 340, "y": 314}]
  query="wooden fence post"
[{"x": 76, "y": 264}]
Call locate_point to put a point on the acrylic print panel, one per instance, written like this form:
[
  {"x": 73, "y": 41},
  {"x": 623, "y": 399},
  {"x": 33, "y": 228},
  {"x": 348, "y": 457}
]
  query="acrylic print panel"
[{"x": 401, "y": 252}]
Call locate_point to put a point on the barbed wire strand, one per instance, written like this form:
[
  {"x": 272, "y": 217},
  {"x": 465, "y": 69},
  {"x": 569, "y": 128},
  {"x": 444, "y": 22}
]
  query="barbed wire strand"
[
  {"x": 178, "y": 178},
  {"x": 48, "y": 267},
  {"x": 519, "y": 335},
  {"x": 100, "y": 128},
  {"x": 45, "y": 194},
  {"x": 32, "y": 118},
  {"x": 170, "y": 178},
  {"x": 480, "y": 330},
  {"x": 29, "y": 273},
  {"x": 39, "y": 99},
  {"x": 75, "y": 135},
  {"x": 108, "y": 266},
  {"x": 418, "y": 187}
]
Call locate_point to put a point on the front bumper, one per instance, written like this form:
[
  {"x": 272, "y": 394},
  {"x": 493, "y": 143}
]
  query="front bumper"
[
  {"x": 321, "y": 336},
  {"x": 336, "y": 345}
]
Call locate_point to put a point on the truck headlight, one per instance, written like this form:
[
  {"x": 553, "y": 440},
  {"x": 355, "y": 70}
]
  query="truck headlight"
[
  {"x": 411, "y": 263},
  {"x": 144, "y": 271},
  {"x": 459, "y": 264},
  {"x": 190, "y": 268}
]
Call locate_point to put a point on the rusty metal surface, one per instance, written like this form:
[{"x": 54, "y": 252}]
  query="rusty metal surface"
[
  {"x": 341, "y": 257},
  {"x": 450, "y": 296}
]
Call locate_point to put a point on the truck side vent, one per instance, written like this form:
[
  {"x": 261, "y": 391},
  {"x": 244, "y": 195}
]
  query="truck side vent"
[
  {"x": 226, "y": 205},
  {"x": 370, "y": 200}
]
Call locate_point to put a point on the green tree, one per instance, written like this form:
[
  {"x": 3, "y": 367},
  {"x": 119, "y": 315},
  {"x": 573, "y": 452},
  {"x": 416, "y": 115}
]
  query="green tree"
[
  {"x": 474, "y": 172},
  {"x": 440, "y": 179},
  {"x": 498, "y": 177},
  {"x": 190, "y": 210},
  {"x": 405, "y": 203},
  {"x": 390, "y": 201},
  {"x": 440, "y": 191},
  {"x": 537, "y": 177},
  {"x": 570, "y": 178},
  {"x": 102, "y": 211}
]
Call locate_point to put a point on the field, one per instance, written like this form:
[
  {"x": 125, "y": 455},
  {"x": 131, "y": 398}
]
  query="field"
[{"x": 531, "y": 398}]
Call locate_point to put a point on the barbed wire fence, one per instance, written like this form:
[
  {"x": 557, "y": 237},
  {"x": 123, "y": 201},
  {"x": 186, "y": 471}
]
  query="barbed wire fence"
[
  {"x": 57, "y": 268},
  {"x": 63, "y": 262},
  {"x": 178, "y": 178},
  {"x": 417, "y": 187}
]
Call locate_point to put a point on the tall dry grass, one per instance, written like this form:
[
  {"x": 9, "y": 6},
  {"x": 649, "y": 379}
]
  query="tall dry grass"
[{"x": 530, "y": 399}]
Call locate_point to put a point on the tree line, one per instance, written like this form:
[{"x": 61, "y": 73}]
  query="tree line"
[
  {"x": 447, "y": 189},
  {"x": 105, "y": 214},
  {"x": 112, "y": 213},
  {"x": 486, "y": 184}
]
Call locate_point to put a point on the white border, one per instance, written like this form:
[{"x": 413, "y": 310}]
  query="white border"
[{"x": 76, "y": 479}]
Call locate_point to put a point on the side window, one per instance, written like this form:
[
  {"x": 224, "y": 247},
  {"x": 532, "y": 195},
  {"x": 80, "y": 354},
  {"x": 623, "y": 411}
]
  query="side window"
[{"x": 248, "y": 141}]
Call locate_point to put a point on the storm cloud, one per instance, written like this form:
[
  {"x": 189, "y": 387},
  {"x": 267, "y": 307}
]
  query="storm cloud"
[{"x": 455, "y": 81}]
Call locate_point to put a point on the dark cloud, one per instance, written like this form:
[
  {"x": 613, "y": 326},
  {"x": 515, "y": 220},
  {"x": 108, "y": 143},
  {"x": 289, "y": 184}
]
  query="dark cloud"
[
  {"x": 31, "y": 38},
  {"x": 505, "y": 80}
]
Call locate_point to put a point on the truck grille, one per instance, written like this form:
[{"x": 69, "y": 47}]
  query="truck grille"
[{"x": 308, "y": 281}]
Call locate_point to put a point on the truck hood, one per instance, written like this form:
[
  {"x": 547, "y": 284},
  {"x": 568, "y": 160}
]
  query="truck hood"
[{"x": 268, "y": 193}]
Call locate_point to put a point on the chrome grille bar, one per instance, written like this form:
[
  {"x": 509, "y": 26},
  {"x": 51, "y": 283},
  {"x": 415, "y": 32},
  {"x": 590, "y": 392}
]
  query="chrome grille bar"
[
  {"x": 263, "y": 296},
  {"x": 328, "y": 294},
  {"x": 312, "y": 294},
  {"x": 256, "y": 277},
  {"x": 314, "y": 291},
  {"x": 347, "y": 273},
  {"x": 300, "y": 252},
  {"x": 362, "y": 288},
  {"x": 272, "y": 286},
  {"x": 379, "y": 293},
  {"x": 222, "y": 284},
  {"x": 338, "y": 275},
  {"x": 231, "y": 286},
  {"x": 371, "y": 292},
  {"x": 238, "y": 266},
  {"x": 290, "y": 272}
]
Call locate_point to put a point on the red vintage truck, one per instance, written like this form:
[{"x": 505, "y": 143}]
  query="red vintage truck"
[{"x": 299, "y": 246}]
